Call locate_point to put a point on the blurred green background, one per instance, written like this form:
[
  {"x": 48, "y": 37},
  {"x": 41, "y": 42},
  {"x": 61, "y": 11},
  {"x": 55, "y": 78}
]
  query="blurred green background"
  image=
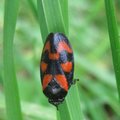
[{"x": 93, "y": 61}]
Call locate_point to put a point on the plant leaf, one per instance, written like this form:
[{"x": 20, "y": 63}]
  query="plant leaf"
[
  {"x": 10, "y": 82},
  {"x": 53, "y": 17},
  {"x": 114, "y": 39}
]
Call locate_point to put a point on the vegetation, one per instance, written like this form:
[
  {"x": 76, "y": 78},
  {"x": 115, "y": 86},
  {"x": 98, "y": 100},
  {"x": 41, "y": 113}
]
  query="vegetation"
[{"x": 96, "y": 94}]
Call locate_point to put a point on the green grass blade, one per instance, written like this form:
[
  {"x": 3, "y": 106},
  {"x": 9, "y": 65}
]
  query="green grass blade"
[
  {"x": 72, "y": 103},
  {"x": 114, "y": 39},
  {"x": 50, "y": 14},
  {"x": 53, "y": 17},
  {"x": 10, "y": 83},
  {"x": 42, "y": 20},
  {"x": 33, "y": 8},
  {"x": 64, "y": 8}
]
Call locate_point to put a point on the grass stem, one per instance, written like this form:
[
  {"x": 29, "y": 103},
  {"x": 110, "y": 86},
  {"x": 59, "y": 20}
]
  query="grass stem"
[
  {"x": 10, "y": 83},
  {"x": 114, "y": 39}
]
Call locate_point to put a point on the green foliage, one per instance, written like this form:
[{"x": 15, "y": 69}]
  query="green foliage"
[
  {"x": 50, "y": 17},
  {"x": 10, "y": 83},
  {"x": 114, "y": 39},
  {"x": 53, "y": 19},
  {"x": 93, "y": 62}
]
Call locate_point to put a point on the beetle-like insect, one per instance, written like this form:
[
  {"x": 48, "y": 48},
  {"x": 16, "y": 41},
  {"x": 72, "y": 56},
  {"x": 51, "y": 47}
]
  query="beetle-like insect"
[{"x": 56, "y": 67}]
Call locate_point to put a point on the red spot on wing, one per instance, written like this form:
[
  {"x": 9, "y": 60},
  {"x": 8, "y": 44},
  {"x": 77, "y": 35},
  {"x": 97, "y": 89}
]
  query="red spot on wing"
[
  {"x": 43, "y": 66},
  {"x": 53, "y": 56},
  {"x": 47, "y": 46},
  {"x": 67, "y": 67},
  {"x": 63, "y": 46},
  {"x": 47, "y": 78},
  {"x": 61, "y": 79}
]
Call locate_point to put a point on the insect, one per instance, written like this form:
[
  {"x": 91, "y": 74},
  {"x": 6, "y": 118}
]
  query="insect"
[{"x": 56, "y": 67}]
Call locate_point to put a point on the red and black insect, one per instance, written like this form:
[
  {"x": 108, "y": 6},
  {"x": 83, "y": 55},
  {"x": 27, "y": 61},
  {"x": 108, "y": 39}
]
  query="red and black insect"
[{"x": 56, "y": 67}]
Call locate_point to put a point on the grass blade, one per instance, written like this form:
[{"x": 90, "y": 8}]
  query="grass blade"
[
  {"x": 64, "y": 8},
  {"x": 114, "y": 39},
  {"x": 72, "y": 105},
  {"x": 10, "y": 83},
  {"x": 53, "y": 17},
  {"x": 33, "y": 8}
]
